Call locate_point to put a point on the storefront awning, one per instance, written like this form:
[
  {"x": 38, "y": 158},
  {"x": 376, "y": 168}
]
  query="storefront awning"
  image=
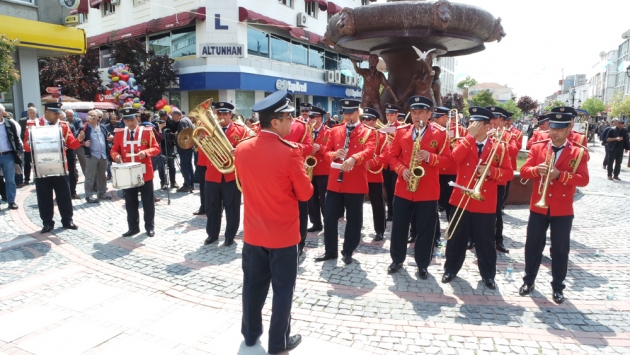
[
  {"x": 334, "y": 8},
  {"x": 42, "y": 35},
  {"x": 295, "y": 32},
  {"x": 98, "y": 40},
  {"x": 182, "y": 19},
  {"x": 323, "y": 4},
  {"x": 129, "y": 32},
  {"x": 96, "y": 3},
  {"x": 84, "y": 8}
]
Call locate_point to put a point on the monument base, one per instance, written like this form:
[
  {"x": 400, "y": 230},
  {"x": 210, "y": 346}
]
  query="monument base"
[{"x": 519, "y": 194}]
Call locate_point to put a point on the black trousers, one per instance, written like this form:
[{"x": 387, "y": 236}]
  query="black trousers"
[
  {"x": 378, "y": 206},
  {"x": 28, "y": 159},
  {"x": 148, "y": 206},
  {"x": 389, "y": 183},
  {"x": 423, "y": 215},
  {"x": 303, "y": 211},
  {"x": 44, "y": 188},
  {"x": 480, "y": 228},
  {"x": 261, "y": 267},
  {"x": 615, "y": 156},
  {"x": 335, "y": 203},
  {"x": 170, "y": 161},
  {"x": 498, "y": 227},
  {"x": 605, "y": 158},
  {"x": 218, "y": 196},
  {"x": 317, "y": 203},
  {"x": 3, "y": 189},
  {"x": 445, "y": 194},
  {"x": 202, "y": 188},
  {"x": 560, "y": 245},
  {"x": 71, "y": 156},
  {"x": 507, "y": 192}
]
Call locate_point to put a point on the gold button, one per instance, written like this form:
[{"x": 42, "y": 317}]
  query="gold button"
[
  {"x": 563, "y": 195},
  {"x": 550, "y": 183}
]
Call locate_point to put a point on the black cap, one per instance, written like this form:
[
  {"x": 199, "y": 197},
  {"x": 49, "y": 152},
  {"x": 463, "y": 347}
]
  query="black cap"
[
  {"x": 498, "y": 111},
  {"x": 401, "y": 115},
  {"x": 560, "y": 120},
  {"x": 370, "y": 112},
  {"x": 440, "y": 111},
  {"x": 349, "y": 106},
  {"x": 480, "y": 114},
  {"x": 564, "y": 109},
  {"x": 53, "y": 106},
  {"x": 279, "y": 101},
  {"x": 391, "y": 108},
  {"x": 129, "y": 112},
  {"x": 509, "y": 116},
  {"x": 420, "y": 102},
  {"x": 305, "y": 106},
  {"x": 316, "y": 111},
  {"x": 543, "y": 118},
  {"x": 224, "y": 107}
]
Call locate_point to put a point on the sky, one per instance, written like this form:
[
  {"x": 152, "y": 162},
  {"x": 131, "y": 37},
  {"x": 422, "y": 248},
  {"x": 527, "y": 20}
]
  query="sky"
[{"x": 543, "y": 38}]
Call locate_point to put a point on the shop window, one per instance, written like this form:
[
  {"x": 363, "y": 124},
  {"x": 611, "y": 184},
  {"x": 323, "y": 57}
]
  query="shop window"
[
  {"x": 280, "y": 49},
  {"x": 288, "y": 3},
  {"x": 175, "y": 99},
  {"x": 197, "y": 97},
  {"x": 345, "y": 63},
  {"x": 6, "y": 99},
  {"x": 257, "y": 43},
  {"x": 183, "y": 42},
  {"x": 311, "y": 9},
  {"x": 105, "y": 57},
  {"x": 244, "y": 102},
  {"x": 299, "y": 53},
  {"x": 108, "y": 9},
  {"x": 316, "y": 58},
  {"x": 330, "y": 62},
  {"x": 161, "y": 44}
]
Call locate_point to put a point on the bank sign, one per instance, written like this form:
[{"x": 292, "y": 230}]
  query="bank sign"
[{"x": 222, "y": 50}]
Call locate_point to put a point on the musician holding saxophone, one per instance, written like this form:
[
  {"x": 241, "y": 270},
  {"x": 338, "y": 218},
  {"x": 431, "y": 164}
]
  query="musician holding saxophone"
[
  {"x": 482, "y": 161},
  {"x": 417, "y": 154},
  {"x": 321, "y": 170},
  {"x": 558, "y": 167}
]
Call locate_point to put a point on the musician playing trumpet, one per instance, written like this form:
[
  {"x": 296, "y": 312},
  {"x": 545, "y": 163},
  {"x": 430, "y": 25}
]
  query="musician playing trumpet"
[
  {"x": 389, "y": 176},
  {"x": 418, "y": 147},
  {"x": 319, "y": 136},
  {"x": 482, "y": 162},
  {"x": 558, "y": 166}
]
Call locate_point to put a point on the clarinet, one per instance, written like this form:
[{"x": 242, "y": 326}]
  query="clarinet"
[{"x": 345, "y": 147}]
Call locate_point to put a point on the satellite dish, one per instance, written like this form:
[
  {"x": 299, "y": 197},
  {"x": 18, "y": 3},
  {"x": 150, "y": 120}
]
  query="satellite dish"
[
  {"x": 70, "y": 4},
  {"x": 626, "y": 35}
]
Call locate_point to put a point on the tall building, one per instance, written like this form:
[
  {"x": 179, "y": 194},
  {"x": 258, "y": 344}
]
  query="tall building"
[
  {"x": 447, "y": 77},
  {"x": 622, "y": 82},
  {"x": 604, "y": 79}
]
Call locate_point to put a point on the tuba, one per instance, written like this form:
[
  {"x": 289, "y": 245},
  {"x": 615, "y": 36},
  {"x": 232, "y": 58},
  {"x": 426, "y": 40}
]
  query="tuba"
[
  {"x": 417, "y": 171},
  {"x": 209, "y": 138},
  {"x": 310, "y": 161}
]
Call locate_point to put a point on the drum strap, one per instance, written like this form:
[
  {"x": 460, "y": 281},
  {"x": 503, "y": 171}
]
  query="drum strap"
[{"x": 136, "y": 141}]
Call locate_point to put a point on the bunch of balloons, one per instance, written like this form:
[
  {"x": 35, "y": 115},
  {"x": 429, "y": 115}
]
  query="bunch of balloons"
[
  {"x": 163, "y": 105},
  {"x": 124, "y": 86}
]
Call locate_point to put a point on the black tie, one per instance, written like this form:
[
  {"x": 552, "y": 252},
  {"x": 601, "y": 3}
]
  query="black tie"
[
  {"x": 350, "y": 129},
  {"x": 224, "y": 129},
  {"x": 479, "y": 148},
  {"x": 555, "y": 151},
  {"x": 131, "y": 135},
  {"x": 315, "y": 133}
]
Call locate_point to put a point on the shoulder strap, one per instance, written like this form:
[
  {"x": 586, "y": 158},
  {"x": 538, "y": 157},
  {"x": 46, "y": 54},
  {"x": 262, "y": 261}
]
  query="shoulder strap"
[{"x": 579, "y": 159}]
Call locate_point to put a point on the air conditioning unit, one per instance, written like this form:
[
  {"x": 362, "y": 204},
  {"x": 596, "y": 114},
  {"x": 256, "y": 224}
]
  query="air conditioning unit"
[
  {"x": 302, "y": 19},
  {"x": 115, "y": 2},
  {"x": 72, "y": 20}
]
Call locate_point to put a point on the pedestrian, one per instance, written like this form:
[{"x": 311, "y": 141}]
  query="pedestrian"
[
  {"x": 10, "y": 150},
  {"x": 32, "y": 116},
  {"x": 111, "y": 126},
  {"x": 617, "y": 142},
  {"x": 96, "y": 152},
  {"x": 78, "y": 127},
  {"x": 185, "y": 155}
]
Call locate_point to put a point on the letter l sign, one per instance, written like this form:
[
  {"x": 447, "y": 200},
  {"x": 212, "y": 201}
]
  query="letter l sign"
[{"x": 217, "y": 23}]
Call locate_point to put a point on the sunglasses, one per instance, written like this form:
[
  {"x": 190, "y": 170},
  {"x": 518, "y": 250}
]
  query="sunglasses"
[{"x": 369, "y": 118}]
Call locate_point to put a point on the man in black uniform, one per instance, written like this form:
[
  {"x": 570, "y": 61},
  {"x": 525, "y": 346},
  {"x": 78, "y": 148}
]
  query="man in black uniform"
[{"x": 617, "y": 141}]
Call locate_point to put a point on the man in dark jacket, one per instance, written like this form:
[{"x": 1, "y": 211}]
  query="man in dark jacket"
[
  {"x": 10, "y": 151},
  {"x": 96, "y": 152},
  {"x": 617, "y": 141},
  {"x": 185, "y": 155}
]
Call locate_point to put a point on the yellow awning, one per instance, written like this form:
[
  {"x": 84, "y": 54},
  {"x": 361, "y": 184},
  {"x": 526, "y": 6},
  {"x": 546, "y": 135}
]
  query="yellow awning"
[{"x": 42, "y": 35}]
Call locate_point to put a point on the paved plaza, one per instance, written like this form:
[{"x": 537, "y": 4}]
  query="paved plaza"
[{"x": 91, "y": 291}]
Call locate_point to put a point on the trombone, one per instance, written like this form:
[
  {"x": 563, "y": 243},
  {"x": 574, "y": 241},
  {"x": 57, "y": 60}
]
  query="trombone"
[{"x": 456, "y": 114}]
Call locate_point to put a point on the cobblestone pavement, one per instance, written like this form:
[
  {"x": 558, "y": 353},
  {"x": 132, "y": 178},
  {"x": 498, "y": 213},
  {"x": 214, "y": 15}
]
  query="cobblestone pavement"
[{"x": 92, "y": 291}]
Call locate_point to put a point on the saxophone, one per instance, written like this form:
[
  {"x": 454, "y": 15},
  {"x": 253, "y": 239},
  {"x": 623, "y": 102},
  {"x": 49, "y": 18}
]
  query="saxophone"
[
  {"x": 310, "y": 161},
  {"x": 417, "y": 171}
]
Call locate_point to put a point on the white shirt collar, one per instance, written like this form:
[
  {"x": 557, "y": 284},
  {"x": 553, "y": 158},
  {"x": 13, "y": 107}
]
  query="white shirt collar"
[{"x": 482, "y": 142}]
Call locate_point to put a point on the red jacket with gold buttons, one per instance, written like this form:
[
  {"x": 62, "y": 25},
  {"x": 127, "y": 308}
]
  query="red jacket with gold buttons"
[
  {"x": 518, "y": 135},
  {"x": 509, "y": 137},
  {"x": 390, "y": 139},
  {"x": 322, "y": 167},
  {"x": 144, "y": 142},
  {"x": 466, "y": 156},
  {"x": 381, "y": 155},
  {"x": 451, "y": 169},
  {"x": 573, "y": 168},
  {"x": 361, "y": 148},
  {"x": 300, "y": 135},
  {"x": 537, "y": 135},
  {"x": 437, "y": 143},
  {"x": 235, "y": 133}
]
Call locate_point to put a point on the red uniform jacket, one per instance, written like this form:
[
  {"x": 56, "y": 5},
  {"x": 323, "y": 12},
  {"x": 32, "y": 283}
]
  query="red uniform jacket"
[
  {"x": 512, "y": 152},
  {"x": 300, "y": 135},
  {"x": 322, "y": 167},
  {"x": 518, "y": 135},
  {"x": 390, "y": 139},
  {"x": 573, "y": 168},
  {"x": 271, "y": 191},
  {"x": 437, "y": 143},
  {"x": 466, "y": 156},
  {"x": 144, "y": 142},
  {"x": 235, "y": 133},
  {"x": 381, "y": 155},
  {"x": 536, "y": 136},
  {"x": 452, "y": 167},
  {"x": 361, "y": 148}
]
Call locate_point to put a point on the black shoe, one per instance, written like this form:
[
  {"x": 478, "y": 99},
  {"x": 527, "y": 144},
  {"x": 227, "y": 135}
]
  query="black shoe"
[
  {"x": 605, "y": 167},
  {"x": 440, "y": 209},
  {"x": 175, "y": 186},
  {"x": 389, "y": 219},
  {"x": 209, "y": 241},
  {"x": 314, "y": 229},
  {"x": 423, "y": 273},
  {"x": 164, "y": 187},
  {"x": 489, "y": 283},
  {"x": 151, "y": 233},
  {"x": 184, "y": 189},
  {"x": 228, "y": 243},
  {"x": 292, "y": 343},
  {"x": 526, "y": 289},
  {"x": 91, "y": 200},
  {"x": 447, "y": 277},
  {"x": 610, "y": 178},
  {"x": 324, "y": 257},
  {"x": 13, "y": 206},
  {"x": 616, "y": 178},
  {"x": 394, "y": 267},
  {"x": 411, "y": 239},
  {"x": 470, "y": 245},
  {"x": 252, "y": 342},
  {"x": 75, "y": 197},
  {"x": 47, "y": 228},
  {"x": 379, "y": 237},
  {"x": 131, "y": 232},
  {"x": 70, "y": 225},
  {"x": 347, "y": 259},
  {"x": 104, "y": 197},
  {"x": 199, "y": 212},
  {"x": 500, "y": 247},
  {"x": 558, "y": 297},
  {"x": 300, "y": 252}
]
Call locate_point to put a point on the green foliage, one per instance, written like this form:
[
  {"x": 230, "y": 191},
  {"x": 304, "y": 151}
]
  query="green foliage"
[
  {"x": 511, "y": 106},
  {"x": 483, "y": 99},
  {"x": 468, "y": 82},
  {"x": 133, "y": 53},
  {"x": 526, "y": 104},
  {"x": 594, "y": 106},
  {"x": 8, "y": 74},
  {"x": 621, "y": 107},
  {"x": 554, "y": 103},
  {"x": 77, "y": 74}
]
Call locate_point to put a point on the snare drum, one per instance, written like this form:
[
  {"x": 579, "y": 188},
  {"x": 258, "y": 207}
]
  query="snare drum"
[
  {"x": 47, "y": 151},
  {"x": 127, "y": 175}
]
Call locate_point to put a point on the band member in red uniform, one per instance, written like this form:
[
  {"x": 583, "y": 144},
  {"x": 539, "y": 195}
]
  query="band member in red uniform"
[
  {"x": 472, "y": 217},
  {"x": 374, "y": 176},
  {"x": 271, "y": 222},
  {"x": 349, "y": 146},
  {"x": 543, "y": 127},
  {"x": 390, "y": 176},
  {"x": 319, "y": 137},
  {"x": 420, "y": 206},
  {"x": 221, "y": 190},
  {"x": 305, "y": 109},
  {"x": 136, "y": 143},
  {"x": 45, "y": 186},
  {"x": 517, "y": 136},
  {"x": 551, "y": 204}
]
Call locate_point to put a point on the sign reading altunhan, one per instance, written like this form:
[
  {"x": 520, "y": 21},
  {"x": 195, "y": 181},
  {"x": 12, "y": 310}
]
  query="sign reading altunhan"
[{"x": 222, "y": 50}]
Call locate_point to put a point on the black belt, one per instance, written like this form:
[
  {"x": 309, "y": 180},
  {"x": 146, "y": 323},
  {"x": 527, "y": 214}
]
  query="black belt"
[{"x": 7, "y": 152}]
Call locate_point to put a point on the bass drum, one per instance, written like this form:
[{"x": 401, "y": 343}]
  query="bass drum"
[{"x": 47, "y": 151}]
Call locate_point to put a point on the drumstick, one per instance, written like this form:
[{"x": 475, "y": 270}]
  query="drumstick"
[{"x": 129, "y": 155}]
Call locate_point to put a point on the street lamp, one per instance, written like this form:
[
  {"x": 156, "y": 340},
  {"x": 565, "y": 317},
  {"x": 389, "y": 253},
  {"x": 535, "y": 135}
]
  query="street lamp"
[{"x": 572, "y": 98}]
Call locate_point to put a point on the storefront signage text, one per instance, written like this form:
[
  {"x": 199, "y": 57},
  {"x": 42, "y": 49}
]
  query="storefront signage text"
[
  {"x": 353, "y": 93},
  {"x": 222, "y": 50},
  {"x": 290, "y": 86}
]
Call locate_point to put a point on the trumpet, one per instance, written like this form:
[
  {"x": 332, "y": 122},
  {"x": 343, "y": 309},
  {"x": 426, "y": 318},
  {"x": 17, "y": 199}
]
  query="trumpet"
[
  {"x": 310, "y": 161},
  {"x": 380, "y": 125},
  {"x": 454, "y": 139},
  {"x": 417, "y": 171},
  {"x": 543, "y": 186}
]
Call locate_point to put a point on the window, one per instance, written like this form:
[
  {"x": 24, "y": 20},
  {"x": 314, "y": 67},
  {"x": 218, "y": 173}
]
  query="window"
[
  {"x": 345, "y": 63},
  {"x": 365, "y": 2},
  {"x": 316, "y": 58},
  {"x": 244, "y": 101},
  {"x": 105, "y": 57},
  {"x": 161, "y": 44},
  {"x": 288, "y": 3},
  {"x": 311, "y": 9},
  {"x": 330, "y": 62},
  {"x": 257, "y": 43},
  {"x": 299, "y": 53},
  {"x": 108, "y": 9},
  {"x": 183, "y": 42},
  {"x": 140, "y": 2},
  {"x": 280, "y": 49}
]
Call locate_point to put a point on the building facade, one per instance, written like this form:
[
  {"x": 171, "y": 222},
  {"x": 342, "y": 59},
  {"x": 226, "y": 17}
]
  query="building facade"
[
  {"x": 447, "y": 77},
  {"x": 604, "y": 79},
  {"x": 622, "y": 82},
  {"x": 501, "y": 93}
]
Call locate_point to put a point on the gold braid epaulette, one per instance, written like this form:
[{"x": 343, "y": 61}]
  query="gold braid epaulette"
[{"x": 579, "y": 159}]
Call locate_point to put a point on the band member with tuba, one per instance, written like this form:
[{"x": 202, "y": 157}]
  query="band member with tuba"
[
  {"x": 45, "y": 186},
  {"x": 481, "y": 163},
  {"x": 543, "y": 129},
  {"x": 558, "y": 167},
  {"x": 374, "y": 176},
  {"x": 221, "y": 190},
  {"x": 136, "y": 143},
  {"x": 417, "y": 154},
  {"x": 349, "y": 146},
  {"x": 271, "y": 223},
  {"x": 321, "y": 170},
  {"x": 390, "y": 176}
]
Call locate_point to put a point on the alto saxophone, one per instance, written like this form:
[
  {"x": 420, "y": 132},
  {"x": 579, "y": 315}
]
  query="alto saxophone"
[
  {"x": 417, "y": 171},
  {"x": 310, "y": 161}
]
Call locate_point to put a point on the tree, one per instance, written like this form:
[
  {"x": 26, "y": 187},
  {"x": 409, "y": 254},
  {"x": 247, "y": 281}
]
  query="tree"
[
  {"x": 554, "y": 103},
  {"x": 8, "y": 74},
  {"x": 526, "y": 104},
  {"x": 512, "y": 106},
  {"x": 77, "y": 74},
  {"x": 483, "y": 99},
  {"x": 157, "y": 78},
  {"x": 594, "y": 106},
  {"x": 620, "y": 106},
  {"x": 453, "y": 101},
  {"x": 133, "y": 53},
  {"x": 466, "y": 83}
]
